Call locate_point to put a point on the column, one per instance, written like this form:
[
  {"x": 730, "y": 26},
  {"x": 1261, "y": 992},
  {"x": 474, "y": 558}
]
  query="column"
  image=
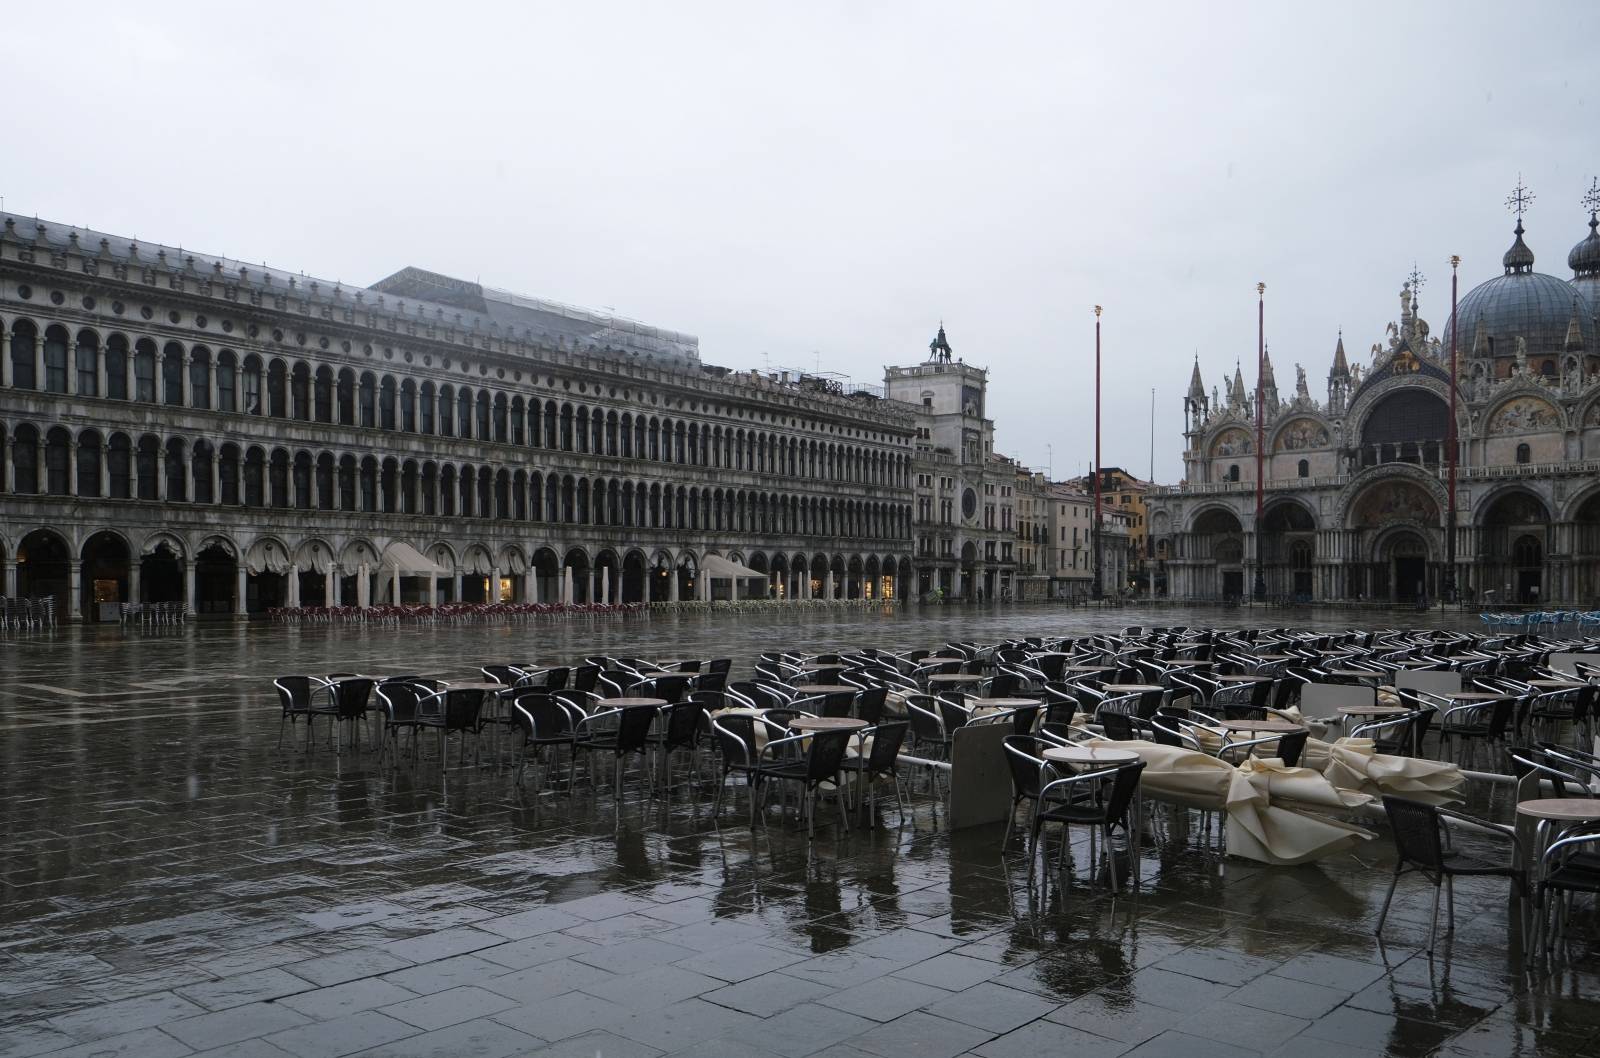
[
  {"x": 40, "y": 472},
  {"x": 38, "y": 363},
  {"x": 161, "y": 473},
  {"x": 672, "y": 584},
  {"x": 494, "y": 585},
  {"x": 100, "y": 365},
  {"x": 188, "y": 586},
  {"x": 216, "y": 476},
  {"x": 105, "y": 472},
  {"x": 188, "y": 473},
  {"x": 72, "y": 470},
  {"x": 211, "y": 390},
  {"x": 127, "y": 374},
  {"x": 396, "y": 599},
  {"x": 5, "y": 358},
  {"x": 433, "y": 589},
  {"x": 185, "y": 395},
  {"x": 242, "y": 576},
  {"x": 135, "y": 592},
  {"x": 533, "y": 584},
  {"x": 457, "y": 596},
  {"x": 11, "y": 579},
  {"x": 380, "y": 493},
  {"x": 74, "y": 591},
  {"x": 294, "y": 585},
  {"x": 330, "y": 587},
  {"x": 827, "y": 584}
]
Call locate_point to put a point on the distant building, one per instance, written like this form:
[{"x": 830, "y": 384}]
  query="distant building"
[
  {"x": 1357, "y": 485},
  {"x": 964, "y": 506}
]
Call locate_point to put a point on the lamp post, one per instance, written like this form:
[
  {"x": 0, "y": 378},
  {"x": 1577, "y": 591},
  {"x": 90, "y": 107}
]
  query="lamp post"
[
  {"x": 1261, "y": 430},
  {"x": 1450, "y": 442},
  {"x": 1099, "y": 587}
]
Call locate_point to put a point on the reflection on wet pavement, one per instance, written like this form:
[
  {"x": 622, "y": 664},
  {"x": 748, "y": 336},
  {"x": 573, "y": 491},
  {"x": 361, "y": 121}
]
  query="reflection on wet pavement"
[{"x": 175, "y": 884}]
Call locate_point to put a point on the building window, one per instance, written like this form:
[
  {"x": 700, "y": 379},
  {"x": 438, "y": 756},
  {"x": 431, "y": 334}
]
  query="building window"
[
  {"x": 1233, "y": 472},
  {"x": 1305, "y": 468},
  {"x": 1524, "y": 454}
]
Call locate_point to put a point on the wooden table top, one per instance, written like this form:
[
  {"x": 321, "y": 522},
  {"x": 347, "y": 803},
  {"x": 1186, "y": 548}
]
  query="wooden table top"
[
  {"x": 631, "y": 703},
  {"x": 955, "y": 677},
  {"x": 1089, "y": 755},
  {"x": 1358, "y": 673},
  {"x": 1557, "y": 683},
  {"x": 1241, "y": 679},
  {"x": 1268, "y": 726},
  {"x": 1471, "y": 696},
  {"x": 1088, "y": 668},
  {"x": 826, "y": 723},
  {"x": 1571, "y": 809},
  {"x": 1114, "y": 689},
  {"x": 1005, "y": 703},
  {"x": 940, "y": 659},
  {"x": 479, "y": 686},
  {"x": 826, "y": 688}
]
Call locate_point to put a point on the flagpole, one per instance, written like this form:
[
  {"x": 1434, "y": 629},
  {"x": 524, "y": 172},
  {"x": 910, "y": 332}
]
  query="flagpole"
[
  {"x": 1450, "y": 441},
  {"x": 1261, "y": 429},
  {"x": 1099, "y": 587}
]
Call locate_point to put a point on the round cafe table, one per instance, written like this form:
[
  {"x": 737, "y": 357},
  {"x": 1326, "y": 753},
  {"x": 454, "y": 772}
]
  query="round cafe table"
[
  {"x": 1473, "y": 696},
  {"x": 479, "y": 685},
  {"x": 1551, "y": 813},
  {"x": 630, "y": 703},
  {"x": 813, "y": 724},
  {"x": 1005, "y": 703},
  {"x": 1556, "y": 684},
  {"x": 1088, "y": 669},
  {"x": 1241, "y": 679},
  {"x": 1081, "y": 756},
  {"x": 1269, "y": 727},
  {"x": 1372, "y": 710},
  {"x": 826, "y": 688},
  {"x": 956, "y": 677},
  {"x": 1131, "y": 688}
]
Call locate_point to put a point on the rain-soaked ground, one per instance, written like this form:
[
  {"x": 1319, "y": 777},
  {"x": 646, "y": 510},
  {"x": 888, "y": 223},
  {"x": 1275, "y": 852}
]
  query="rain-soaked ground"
[{"x": 173, "y": 883}]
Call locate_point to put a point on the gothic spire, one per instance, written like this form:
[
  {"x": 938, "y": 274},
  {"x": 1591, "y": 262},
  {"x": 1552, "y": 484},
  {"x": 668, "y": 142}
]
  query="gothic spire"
[
  {"x": 1341, "y": 366},
  {"x": 1197, "y": 389}
]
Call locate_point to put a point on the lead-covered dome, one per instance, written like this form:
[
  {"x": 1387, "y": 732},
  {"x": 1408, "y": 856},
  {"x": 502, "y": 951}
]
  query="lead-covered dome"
[
  {"x": 1538, "y": 308},
  {"x": 1584, "y": 260}
]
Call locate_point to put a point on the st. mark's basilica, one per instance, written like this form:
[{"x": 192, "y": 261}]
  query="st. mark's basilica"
[{"x": 1357, "y": 485}]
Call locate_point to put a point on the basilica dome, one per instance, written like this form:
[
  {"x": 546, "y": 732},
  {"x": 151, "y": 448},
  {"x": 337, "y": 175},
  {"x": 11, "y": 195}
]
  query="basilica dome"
[
  {"x": 1584, "y": 260},
  {"x": 1524, "y": 304}
]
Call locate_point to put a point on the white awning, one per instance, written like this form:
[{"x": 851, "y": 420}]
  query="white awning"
[
  {"x": 715, "y": 567},
  {"x": 409, "y": 561},
  {"x": 266, "y": 556}
]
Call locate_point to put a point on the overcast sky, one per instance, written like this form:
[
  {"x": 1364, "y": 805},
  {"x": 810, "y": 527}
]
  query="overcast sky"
[{"x": 819, "y": 184}]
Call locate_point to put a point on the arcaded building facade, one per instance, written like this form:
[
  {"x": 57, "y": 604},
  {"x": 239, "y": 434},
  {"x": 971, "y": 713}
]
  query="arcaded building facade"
[
  {"x": 184, "y": 427},
  {"x": 1357, "y": 484}
]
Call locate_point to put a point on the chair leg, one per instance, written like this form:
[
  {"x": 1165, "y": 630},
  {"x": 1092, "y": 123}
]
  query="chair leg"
[
  {"x": 1450, "y": 903},
  {"x": 1433, "y": 921},
  {"x": 1384, "y": 914}
]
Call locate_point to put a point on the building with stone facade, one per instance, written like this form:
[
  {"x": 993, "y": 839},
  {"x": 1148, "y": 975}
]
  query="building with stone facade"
[
  {"x": 177, "y": 426},
  {"x": 1357, "y": 484},
  {"x": 964, "y": 520}
]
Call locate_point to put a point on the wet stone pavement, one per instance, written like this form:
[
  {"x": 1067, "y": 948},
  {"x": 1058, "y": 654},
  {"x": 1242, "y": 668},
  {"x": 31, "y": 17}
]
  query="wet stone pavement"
[{"x": 172, "y": 883}]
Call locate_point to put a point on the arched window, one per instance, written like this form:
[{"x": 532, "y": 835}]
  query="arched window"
[
  {"x": 56, "y": 455},
  {"x": 200, "y": 378},
  {"x": 55, "y": 360},
  {"x": 88, "y": 369},
  {"x": 1233, "y": 472},
  {"x": 1524, "y": 454},
  {"x": 172, "y": 374},
  {"x": 226, "y": 382},
  {"x": 1305, "y": 468},
  {"x": 119, "y": 467},
  {"x": 117, "y": 367},
  {"x": 25, "y": 457},
  {"x": 144, "y": 371}
]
